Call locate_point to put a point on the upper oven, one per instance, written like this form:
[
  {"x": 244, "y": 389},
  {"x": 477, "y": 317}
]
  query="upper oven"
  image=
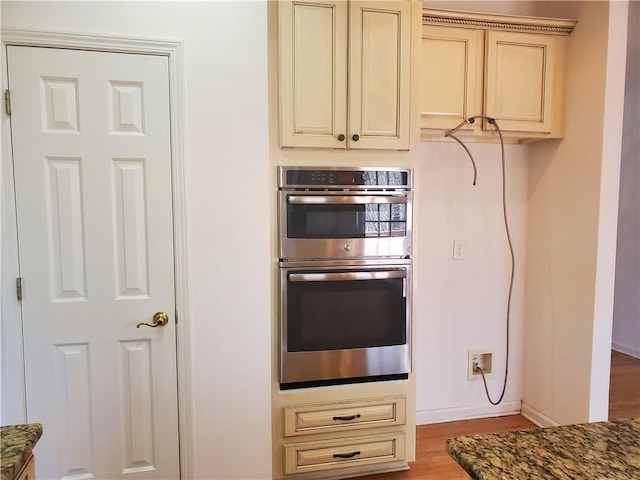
[{"x": 344, "y": 213}]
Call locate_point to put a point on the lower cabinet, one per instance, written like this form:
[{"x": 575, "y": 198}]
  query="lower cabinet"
[
  {"x": 340, "y": 416},
  {"x": 334, "y": 435},
  {"x": 343, "y": 452},
  {"x": 28, "y": 472}
]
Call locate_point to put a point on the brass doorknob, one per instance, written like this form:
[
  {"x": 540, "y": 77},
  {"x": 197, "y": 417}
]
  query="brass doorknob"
[{"x": 160, "y": 319}]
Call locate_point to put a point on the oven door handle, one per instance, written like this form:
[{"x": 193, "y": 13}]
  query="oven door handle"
[
  {"x": 346, "y": 276},
  {"x": 346, "y": 199}
]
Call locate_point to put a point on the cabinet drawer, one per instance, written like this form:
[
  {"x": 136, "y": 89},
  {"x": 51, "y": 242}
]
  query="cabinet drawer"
[
  {"x": 346, "y": 452},
  {"x": 330, "y": 417}
]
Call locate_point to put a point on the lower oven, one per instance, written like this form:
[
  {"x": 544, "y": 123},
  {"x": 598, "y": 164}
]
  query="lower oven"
[{"x": 344, "y": 322}]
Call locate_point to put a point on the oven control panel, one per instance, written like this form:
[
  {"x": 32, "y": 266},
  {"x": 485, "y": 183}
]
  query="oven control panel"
[{"x": 301, "y": 177}]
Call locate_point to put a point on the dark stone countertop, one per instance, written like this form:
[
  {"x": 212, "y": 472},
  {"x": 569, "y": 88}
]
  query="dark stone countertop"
[
  {"x": 16, "y": 444},
  {"x": 592, "y": 451}
]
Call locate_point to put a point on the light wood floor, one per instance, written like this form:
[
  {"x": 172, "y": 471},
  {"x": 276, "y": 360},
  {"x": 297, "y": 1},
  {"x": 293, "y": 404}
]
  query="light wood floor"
[
  {"x": 624, "y": 386},
  {"x": 433, "y": 462}
]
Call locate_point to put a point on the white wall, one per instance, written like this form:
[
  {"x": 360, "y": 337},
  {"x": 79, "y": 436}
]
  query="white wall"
[
  {"x": 573, "y": 197},
  {"x": 626, "y": 309},
  {"x": 519, "y": 7},
  {"x": 462, "y": 304},
  {"x": 226, "y": 137}
]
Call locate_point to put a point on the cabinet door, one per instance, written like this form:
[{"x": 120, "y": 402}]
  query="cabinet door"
[
  {"x": 520, "y": 81},
  {"x": 451, "y": 62},
  {"x": 380, "y": 69},
  {"x": 28, "y": 471},
  {"x": 313, "y": 73}
]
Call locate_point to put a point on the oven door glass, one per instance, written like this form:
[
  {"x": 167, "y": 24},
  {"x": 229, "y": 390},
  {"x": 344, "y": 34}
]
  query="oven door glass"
[
  {"x": 338, "y": 310},
  {"x": 322, "y": 216}
]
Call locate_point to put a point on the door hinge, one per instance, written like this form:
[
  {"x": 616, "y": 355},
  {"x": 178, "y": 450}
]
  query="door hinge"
[
  {"x": 19, "y": 288},
  {"x": 7, "y": 102}
]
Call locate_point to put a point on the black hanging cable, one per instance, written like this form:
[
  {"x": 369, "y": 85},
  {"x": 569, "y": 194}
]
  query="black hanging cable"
[
  {"x": 475, "y": 170},
  {"x": 450, "y": 133}
]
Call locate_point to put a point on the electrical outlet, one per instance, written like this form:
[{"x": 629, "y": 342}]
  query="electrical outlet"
[
  {"x": 477, "y": 361},
  {"x": 458, "y": 250},
  {"x": 479, "y": 358}
]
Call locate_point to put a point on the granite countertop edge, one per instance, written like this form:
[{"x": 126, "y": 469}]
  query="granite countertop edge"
[
  {"x": 17, "y": 442},
  {"x": 597, "y": 450}
]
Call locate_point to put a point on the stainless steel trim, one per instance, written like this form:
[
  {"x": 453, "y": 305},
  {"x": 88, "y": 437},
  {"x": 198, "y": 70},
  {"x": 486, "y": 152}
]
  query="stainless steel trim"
[
  {"x": 346, "y": 263},
  {"x": 347, "y": 276},
  {"x": 339, "y": 364},
  {"x": 355, "y": 199},
  {"x": 385, "y": 248}
]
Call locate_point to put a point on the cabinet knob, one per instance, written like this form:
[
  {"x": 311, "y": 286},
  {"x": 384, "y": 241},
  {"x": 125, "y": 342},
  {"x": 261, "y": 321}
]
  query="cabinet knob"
[
  {"x": 341, "y": 137},
  {"x": 356, "y": 137}
]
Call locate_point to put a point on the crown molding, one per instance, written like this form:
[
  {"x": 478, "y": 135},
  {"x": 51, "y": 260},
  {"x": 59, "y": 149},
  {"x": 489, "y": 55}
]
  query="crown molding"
[{"x": 487, "y": 21}]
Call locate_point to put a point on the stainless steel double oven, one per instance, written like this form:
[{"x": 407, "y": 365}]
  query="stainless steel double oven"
[{"x": 345, "y": 274}]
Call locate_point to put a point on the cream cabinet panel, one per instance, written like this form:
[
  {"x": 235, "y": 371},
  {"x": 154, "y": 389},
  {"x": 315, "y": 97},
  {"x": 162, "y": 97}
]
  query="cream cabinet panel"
[
  {"x": 313, "y": 73},
  {"x": 520, "y": 80},
  {"x": 345, "y": 73},
  {"x": 344, "y": 416},
  {"x": 28, "y": 471},
  {"x": 502, "y": 66},
  {"x": 346, "y": 452},
  {"x": 380, "y": 73},
  {"x": 451, "y": 81}
]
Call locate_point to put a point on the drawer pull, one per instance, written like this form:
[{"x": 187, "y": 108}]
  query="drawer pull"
[
  {"x": 346, "y": 419},
  {"x": 346, "y": 455}
]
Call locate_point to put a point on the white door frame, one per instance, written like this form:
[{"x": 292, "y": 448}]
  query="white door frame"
[{"x": 10, "y": 314}]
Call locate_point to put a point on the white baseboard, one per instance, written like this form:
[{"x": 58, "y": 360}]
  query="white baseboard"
[
  {"x": 537, "y": 417},
  {"x": 634, "y": 352},
  {"x": 424, "y": 417}
]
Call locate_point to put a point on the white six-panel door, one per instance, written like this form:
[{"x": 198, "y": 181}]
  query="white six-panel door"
[{"x": 91, "y": 146}]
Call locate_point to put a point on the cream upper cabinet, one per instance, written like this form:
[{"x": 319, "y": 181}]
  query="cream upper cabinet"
[
  {"x": 505, "y": 67},
  {"x": 345, "y": 73},
  {"x": 451, "y": 65},
  {"x": 379, "y": 74},
  {"x": 521, "y": 82},
  {"x": 313, "y": 73}
]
